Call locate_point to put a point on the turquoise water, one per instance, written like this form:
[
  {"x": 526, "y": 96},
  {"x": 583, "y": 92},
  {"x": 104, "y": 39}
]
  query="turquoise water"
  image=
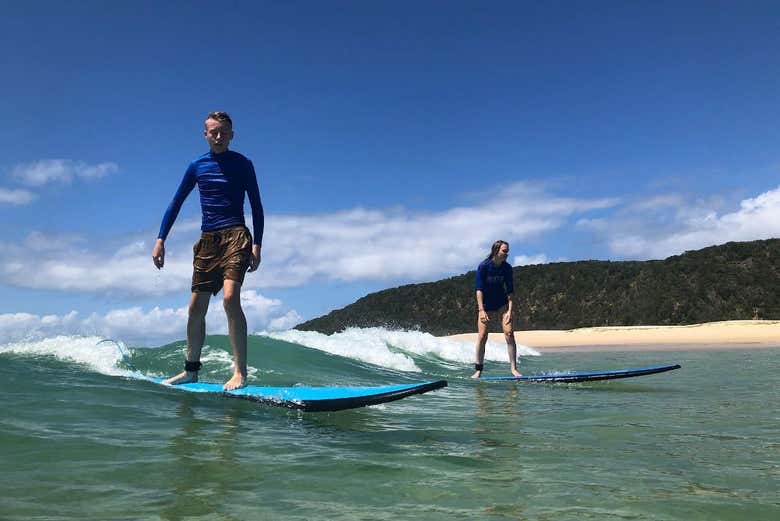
[{"x": 81, "y": 441}]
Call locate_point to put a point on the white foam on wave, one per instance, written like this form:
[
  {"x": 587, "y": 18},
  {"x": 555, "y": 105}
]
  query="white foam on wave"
[
  {"x": 102, "y": 357},
  {"x": 375, "y": 346},
  {"x": 215, "y": 359},
  {"x": 422, "y": 343},
  {"x": 351, "y": 343}
]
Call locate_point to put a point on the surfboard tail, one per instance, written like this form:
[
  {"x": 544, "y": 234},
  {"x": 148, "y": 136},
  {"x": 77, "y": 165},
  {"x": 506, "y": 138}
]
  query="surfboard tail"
[{"x": 340, "y": 404}]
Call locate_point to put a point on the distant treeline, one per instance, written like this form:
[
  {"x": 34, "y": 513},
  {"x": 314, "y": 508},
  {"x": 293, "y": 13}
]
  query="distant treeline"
[{"x": 734, "y": 281}]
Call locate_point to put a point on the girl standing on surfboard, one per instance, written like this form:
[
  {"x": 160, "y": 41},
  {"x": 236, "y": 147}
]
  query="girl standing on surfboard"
[{"x": 494, "y": 301}]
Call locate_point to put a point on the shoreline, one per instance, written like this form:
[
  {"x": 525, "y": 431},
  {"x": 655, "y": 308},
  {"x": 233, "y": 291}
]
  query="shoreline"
[{"x": 733, "y": 334}]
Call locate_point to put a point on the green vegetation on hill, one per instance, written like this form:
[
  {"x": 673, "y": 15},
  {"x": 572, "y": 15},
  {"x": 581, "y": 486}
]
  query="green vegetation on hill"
[{"x": 733, "y": 281}]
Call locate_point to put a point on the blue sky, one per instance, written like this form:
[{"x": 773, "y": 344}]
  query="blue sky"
[{"x": 394, "y": 142}]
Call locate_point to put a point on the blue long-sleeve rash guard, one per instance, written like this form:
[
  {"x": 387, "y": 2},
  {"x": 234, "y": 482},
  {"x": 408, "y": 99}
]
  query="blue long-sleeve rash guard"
[
  {"x": 495, "y": 283},
  {"x": 222, "y": 180}
]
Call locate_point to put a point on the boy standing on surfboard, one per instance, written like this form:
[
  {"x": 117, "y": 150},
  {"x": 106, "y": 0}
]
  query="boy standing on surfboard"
[{"x": 226, "y": 249}]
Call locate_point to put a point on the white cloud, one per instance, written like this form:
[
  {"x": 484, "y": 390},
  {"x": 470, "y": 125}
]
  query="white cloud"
[
  {"x": 351, "y": 245},
  {"x": 67, "y": 263},
  {"x": 137, "y": 326},
  {"x": 45, "y": 171},
  {"x": 16, "y": 197},
  {"x": 659, "y": 202},
  {"x": 597, "y": 225},
  {"x": 643, "y": 234},
  {"x": 40, "y": 242},
  {"x": 399, "y": 244},
  {"x": 394, "y": 244},
  {"x": 527, "y": 260}
]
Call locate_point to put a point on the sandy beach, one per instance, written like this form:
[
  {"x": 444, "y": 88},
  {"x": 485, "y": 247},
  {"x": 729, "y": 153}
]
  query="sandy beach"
[{"x": 736, "y": 334}]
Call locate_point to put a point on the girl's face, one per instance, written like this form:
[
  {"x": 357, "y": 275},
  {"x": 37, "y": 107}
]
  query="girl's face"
[{"x": 503, "y": 253}]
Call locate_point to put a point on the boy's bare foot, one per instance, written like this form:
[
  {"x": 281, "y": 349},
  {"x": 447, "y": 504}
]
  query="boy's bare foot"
[
  {"x": 477, "y": 374},
  {"x": 185, "y": 377},
  {"x": 237, "y": 382},
  {"x": 515, "y": 372}
]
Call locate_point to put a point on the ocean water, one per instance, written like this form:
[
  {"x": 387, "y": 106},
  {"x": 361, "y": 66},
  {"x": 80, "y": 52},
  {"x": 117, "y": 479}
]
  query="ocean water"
[{"x": 79, "y": 440}]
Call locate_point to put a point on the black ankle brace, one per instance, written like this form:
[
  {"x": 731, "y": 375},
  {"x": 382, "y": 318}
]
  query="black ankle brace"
[
  {"x": 479, "y": 367},
  {"x": 192, "y": 366}
]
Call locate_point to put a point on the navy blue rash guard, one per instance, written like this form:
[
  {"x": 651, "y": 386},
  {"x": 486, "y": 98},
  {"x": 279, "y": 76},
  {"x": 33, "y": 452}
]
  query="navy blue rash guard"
[
  {"x": 222, "y": 180},
  {"x": 495, "y": 283}
]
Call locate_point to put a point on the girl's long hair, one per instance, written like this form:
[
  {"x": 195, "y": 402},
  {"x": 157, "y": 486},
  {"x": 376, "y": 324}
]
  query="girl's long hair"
[{"x": 496, "y": 246}]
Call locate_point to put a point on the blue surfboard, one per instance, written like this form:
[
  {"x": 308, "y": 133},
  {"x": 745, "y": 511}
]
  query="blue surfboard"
[
  {"x": 299, "y": 397},
  {"x": 587, "y": 377},
  {"x": 313, "y": 399}
]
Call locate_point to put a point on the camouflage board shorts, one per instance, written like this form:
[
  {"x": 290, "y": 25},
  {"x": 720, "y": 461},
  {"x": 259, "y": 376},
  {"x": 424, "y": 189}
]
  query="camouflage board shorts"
[{"x": 219, "y": 255}]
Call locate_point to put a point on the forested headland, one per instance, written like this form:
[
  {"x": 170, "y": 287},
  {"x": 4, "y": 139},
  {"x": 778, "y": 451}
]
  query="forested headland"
[{"x": 733, "y": 281}]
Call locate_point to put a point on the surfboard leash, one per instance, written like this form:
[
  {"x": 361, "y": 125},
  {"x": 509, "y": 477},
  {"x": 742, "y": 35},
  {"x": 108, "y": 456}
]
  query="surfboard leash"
[{"x": 121, "y": 352}]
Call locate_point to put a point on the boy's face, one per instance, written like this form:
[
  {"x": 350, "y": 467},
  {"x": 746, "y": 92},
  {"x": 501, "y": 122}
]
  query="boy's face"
[{"x": 218, "y": 134}]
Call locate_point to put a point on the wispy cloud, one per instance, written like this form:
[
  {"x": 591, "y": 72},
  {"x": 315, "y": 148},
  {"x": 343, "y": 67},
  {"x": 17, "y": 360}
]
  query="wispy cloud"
[
  {"x": 396, "y": 244},
  {"x": 663, "y": 226},
  {"x": 527, "y": 260},
  {"x": 146, "y": 327},
  {"x": 66, "y": 263},
  {"x": 16, "y": 197},
  {"x": 399, "y": 244},
  {"x": 352, "y": 245},
  {"x": 46, "y": 171}
]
